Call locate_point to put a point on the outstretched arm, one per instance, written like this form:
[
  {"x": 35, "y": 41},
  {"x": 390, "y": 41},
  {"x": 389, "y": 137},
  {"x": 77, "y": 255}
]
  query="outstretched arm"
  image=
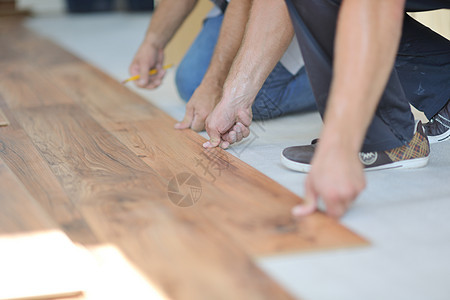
[
  {"x": 367, "y": 38},
  {"x": 268, "y": 34},
  {"x": 208, "y": 94},
  {"x": 166, "y": 20}
]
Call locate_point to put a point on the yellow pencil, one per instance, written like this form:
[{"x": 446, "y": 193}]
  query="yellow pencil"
[{"x": 151, "y": 72}]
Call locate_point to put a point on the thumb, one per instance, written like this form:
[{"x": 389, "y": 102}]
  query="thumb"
[
  {"x": 187, "y": 120},
  {"x": 310, "y": 202},
  {"x": 214, "y": 137},
  {"x": 143, "y": 73}
]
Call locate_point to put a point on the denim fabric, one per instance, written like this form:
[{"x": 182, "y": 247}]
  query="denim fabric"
[
  {"x": 282, "y": 93},
  {"x": 420, "y": 75}
]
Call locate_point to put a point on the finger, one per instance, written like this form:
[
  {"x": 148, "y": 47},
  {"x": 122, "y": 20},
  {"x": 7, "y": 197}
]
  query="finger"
[
  {"x": 198, "y": 123},
  {"x": 336, "y": 208},
  {"x": 159, "y": 76},
  {"x": 224, "y": 145},
  {"x": 241, "y": 131},
  {"x": 310, "y": 202},
  {"x": 154, "y": 83},
  {"x": 134, "y": 68},
  {"x": 244, "y": 129},
  {"x": 214, "y": 135},
  {"x": 187, "y": 120},
  {"x": 143, "y": 73},
  {"x": 238, "y": 131},
  {"x": 213, "y": 142},
  {"x": 230, "y": 137}
]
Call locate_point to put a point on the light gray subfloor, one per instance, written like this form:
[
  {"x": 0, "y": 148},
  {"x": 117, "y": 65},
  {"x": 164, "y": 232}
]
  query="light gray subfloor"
[{"x": 404, "y": 213}]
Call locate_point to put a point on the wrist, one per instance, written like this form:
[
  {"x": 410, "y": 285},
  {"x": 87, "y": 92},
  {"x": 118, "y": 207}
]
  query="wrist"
[
  {"x": 212, "y": 83},
  {"x": 154, "y": 40},
  {"x": 208, "y": 93},
  {"x": 240, "y": 90}
]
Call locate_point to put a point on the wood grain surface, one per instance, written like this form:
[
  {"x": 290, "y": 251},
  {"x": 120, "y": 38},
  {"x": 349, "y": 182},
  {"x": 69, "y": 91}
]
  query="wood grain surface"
[
  {"x": 36, "y": 258},
  {"x": 104, "y": 164},
  {"x": 3, "y": 120}
]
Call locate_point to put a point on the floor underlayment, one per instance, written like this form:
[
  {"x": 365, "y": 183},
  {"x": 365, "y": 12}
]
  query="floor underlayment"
[{"x": 404, "y": 213}]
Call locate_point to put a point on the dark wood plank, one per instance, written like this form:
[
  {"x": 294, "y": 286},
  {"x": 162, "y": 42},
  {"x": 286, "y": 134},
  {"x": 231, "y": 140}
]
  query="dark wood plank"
[{"x": 21, "y": 156}]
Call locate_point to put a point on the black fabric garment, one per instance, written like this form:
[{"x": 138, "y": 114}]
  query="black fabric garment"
[{"x": 421, "y": 75}]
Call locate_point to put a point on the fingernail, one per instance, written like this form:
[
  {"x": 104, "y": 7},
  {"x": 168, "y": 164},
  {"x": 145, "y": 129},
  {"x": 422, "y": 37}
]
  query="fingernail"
[
  {"x": 177, "y": 125},
  {"x": 297, "y": 210},
  {"x": 207, "y": 145},
  {"x": 142, "y": 81}
]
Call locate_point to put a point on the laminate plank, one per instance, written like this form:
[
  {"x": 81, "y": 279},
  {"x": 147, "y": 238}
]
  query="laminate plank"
[
  {"x": 33, "y": 252},
  {"x": 64, "y": 135},
  {"x": 16, "y": 201},
  {"x": 17, "y": 43},
  {"x": 3, "y": 120},
  {"x": 22, "y": 157},
  {"x": 124, "y": 202}
]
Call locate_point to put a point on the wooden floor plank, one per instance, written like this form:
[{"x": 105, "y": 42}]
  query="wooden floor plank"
[
  {"x": 118, "y": 196},
  {"x": 125, "y": 202},
  {"x": 3, "y": 120},
  {"x": 16, "y": 201},
  {"x": 34, "y": 253},
  {"x": 22, "y": 157}
]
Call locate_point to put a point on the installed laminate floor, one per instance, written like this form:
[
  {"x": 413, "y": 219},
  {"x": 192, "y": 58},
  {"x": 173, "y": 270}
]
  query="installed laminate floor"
[
  {"x": 109, "y": 168},
  {"x": 404, "y": 213}
]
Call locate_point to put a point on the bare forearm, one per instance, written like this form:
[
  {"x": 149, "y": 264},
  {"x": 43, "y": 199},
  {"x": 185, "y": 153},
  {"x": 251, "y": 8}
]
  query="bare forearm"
[
  {"x": 166, "y": 20},
  {"x": 230, "y": 39},
  {"x": 367, "y": 38},
  {"x": 267, "y": 36}
]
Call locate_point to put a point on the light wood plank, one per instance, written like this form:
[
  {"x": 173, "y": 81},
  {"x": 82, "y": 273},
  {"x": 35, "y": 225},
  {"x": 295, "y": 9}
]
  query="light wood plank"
[
  {"x": 33, "y": 252},
  {"x": 3, "y": 120}
]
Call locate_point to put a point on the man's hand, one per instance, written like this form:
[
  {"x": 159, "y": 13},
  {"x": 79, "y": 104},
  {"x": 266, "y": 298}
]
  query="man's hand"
[
  {"x": 201, "y": 104},
  {"x": 148, "y": 57},
  {"x": 228, "y": 123},
  {"x": 337, "y": 177}
]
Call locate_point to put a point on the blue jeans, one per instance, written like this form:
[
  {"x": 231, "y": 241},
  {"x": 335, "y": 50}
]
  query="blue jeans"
[
  {"x": 282, "y": 93},
  {"x": 421, "y": 75}
]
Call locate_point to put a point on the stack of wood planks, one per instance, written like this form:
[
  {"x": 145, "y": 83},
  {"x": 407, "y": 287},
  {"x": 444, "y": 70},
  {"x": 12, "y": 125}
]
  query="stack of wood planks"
[{"x": 107, "y": 168}]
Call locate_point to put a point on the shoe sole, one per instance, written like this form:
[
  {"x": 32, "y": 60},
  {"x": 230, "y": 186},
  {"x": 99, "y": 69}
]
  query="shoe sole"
[
  {"x": 403, "y": 164},
  {"x": 433, "y": 139},
  {"x": 295, "y": 166}
]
